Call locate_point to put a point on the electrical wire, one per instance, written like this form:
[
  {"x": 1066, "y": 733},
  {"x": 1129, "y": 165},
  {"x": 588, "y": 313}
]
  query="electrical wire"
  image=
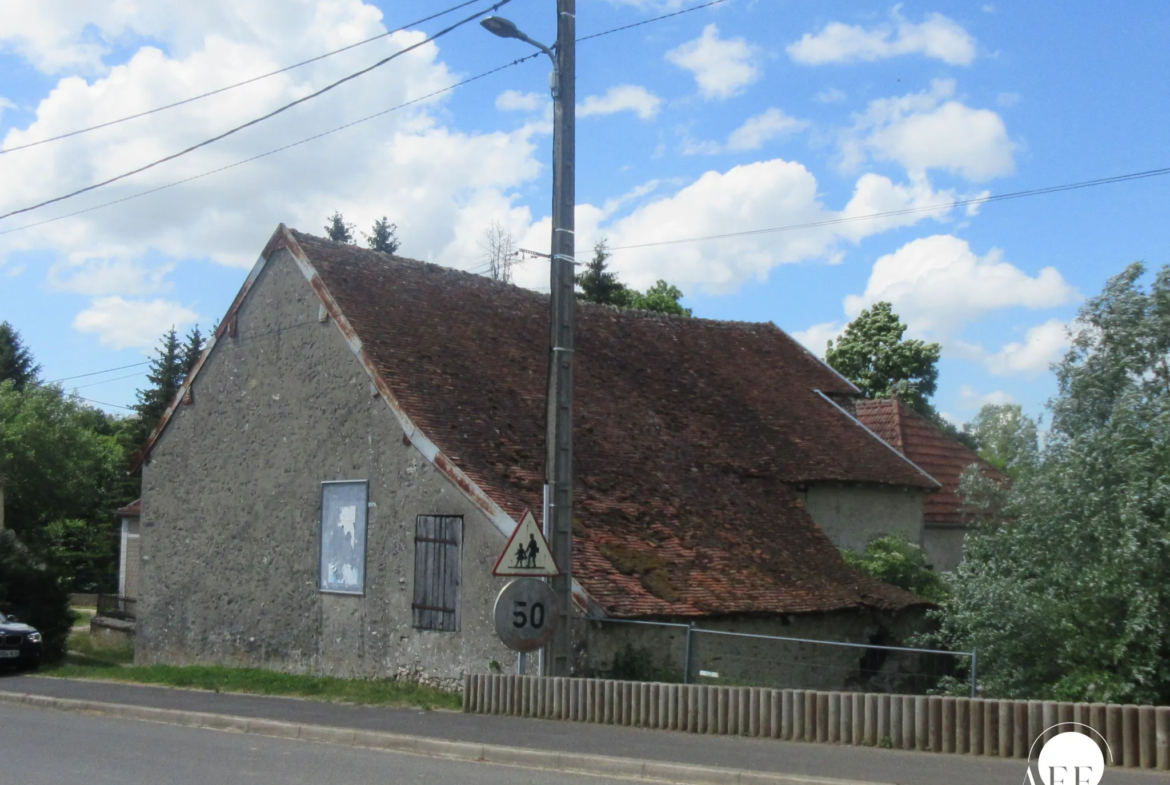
[
  {"x": 655, "y": 19},
  {"x": 98, "y": 373},
  {"x": 107, "y": 381},
  {"x": 239, "y": 84},
  {"x": 341, "y": 127},
  {"x": 99, "y": 403},
  {"x": 262, "y": 118},
  {"x": 274, "y": 151},
  {"x": 1121, "y": 178}
]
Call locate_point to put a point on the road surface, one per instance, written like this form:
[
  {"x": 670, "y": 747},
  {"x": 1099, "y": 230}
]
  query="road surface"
[{"x": 46, "y": 747}]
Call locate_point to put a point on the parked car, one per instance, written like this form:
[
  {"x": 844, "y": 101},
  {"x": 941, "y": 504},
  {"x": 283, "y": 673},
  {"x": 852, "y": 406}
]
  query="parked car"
[{"x": 20, "y": 644}]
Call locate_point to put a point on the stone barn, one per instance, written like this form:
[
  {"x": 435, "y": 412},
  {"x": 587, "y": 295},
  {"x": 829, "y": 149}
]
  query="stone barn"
[{"x": 332, "y": 485}]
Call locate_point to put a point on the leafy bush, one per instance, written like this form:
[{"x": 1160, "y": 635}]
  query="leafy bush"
[
  {"x": 33, "y": 594},
  {"x": 637, "y": 663},
  {"x": 899, "y": 562}
]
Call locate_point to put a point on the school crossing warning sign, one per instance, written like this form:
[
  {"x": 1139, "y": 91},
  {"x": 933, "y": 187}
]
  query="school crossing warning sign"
[{"x": 527, "y": 552}]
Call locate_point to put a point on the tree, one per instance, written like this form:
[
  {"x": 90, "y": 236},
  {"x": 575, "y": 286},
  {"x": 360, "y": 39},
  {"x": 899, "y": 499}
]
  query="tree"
[
  {"x": 1065, "y": 585},
  {"x": 16, "y": 361},
  {"x": 499, "y": 252},
  {"x": 873, "y": 354},
  {"x": 599, "y": 285},
  {"x": 897, "y": 561},
  {"x": 62, "y": 482},
  {"x": 1004, "y": 436},
  {"x": 167, "y": 371},
  {"x": 383, "y": 236},
  {"x": 661, "y": 298},
  {"x": 338, "y": 230},
  {"x": 192, "y": 350}
]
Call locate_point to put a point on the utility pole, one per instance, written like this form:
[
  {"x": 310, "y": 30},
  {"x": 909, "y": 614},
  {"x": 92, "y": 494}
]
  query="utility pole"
[{"x": 563, "y": 302}]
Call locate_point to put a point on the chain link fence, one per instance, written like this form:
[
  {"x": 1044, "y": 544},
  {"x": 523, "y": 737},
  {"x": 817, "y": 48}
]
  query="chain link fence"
[{"x": 697, "y": 654}]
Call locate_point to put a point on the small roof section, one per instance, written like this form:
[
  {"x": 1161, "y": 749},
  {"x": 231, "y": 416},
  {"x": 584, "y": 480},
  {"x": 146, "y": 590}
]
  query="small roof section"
[
  {"x": 131, "y": 510},
  {"x": 941, "y": 456}
]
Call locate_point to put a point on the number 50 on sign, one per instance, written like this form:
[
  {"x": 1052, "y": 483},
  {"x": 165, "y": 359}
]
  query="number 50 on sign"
[{"x": 526, "y": 614}]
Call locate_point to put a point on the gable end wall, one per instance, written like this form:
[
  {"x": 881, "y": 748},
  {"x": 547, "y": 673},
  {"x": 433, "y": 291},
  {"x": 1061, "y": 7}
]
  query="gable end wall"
[{"x": 231, "y": 511}]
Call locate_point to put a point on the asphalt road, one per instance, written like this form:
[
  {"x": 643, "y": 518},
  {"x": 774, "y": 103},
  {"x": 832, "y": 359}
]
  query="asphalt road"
[{"x": 46, "y": 747}]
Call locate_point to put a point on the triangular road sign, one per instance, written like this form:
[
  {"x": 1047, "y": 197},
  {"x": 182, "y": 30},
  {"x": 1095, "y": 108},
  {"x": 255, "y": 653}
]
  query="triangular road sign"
[{"x": 527, "y": 552}]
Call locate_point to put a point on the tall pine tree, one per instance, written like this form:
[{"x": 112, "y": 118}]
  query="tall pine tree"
[
  {"x": 383, "y": 236},
  {"x": 338, "y": 230},
  {"x": 192, "y": 350},
  {"x": 166, "y": 376},
  {"x": 16, "y": 361}
]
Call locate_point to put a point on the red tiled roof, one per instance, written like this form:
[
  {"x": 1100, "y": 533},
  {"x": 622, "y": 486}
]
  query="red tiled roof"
[
  {"x": 131, "y": 510},
  {"x": 938, "y": 454},
  {"x": 687, "y": 434}
]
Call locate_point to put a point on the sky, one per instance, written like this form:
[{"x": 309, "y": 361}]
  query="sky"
[{"x": 744, "y": 116}]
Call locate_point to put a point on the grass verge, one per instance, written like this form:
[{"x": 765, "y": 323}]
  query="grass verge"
[{"x": 86, "y": 660}]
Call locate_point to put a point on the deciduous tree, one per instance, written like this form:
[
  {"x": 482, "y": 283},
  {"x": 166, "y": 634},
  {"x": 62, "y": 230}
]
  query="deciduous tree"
[
  {"x": 1065, "y": 585},
  {"x": 874, "y": 354}
]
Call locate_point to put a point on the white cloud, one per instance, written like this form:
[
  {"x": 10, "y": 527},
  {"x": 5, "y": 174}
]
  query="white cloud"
[
  {"x": 937, "y": 37},
  {"x": 122, "y": 324},
  {"x": 1042, "y": 345},
  {"x": 752, "y": 135},
  {"x": 938, "y": 284},
  {"x": 96, "y": 277},
  {"x": 931, "y": 130},
  {"x": 721, "y": 67},
  {"x": 515, "y": 101},
  {"x": 973, "y": 399},
  {"x": 830, "y": 95},
  {"x": 816, "y": 338},
  {"x": 762, "y": 128},
  {"x": 622, "y": 98},
  {"x": 749, "y": 197},
  {"x": 227, "y": 217}
]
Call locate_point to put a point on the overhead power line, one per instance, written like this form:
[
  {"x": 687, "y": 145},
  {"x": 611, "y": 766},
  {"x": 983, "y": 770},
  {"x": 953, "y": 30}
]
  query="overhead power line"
[
  {"x": 340, "y": 127},
  {"x": 98, "y": 373},
  {"x": 1121, "y": 178},
  {"x": 274, "y": 151},
  {"x": 261, "y": 119},
  {"x": 654, "y": 19},
  {"x": 254, "y": 79}
]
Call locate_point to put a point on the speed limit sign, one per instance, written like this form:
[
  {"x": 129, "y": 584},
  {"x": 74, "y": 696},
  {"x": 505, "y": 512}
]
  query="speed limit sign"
[{"x": 526, "y": 614}]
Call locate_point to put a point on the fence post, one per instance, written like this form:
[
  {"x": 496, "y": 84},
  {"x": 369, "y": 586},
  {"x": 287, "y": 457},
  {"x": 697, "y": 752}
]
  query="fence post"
[
  {"x": 896, "y": 722},
  {"x": 962, "y": 725},
  {"x": 974, "y": 672},
  {"x": 1007, "y": 712},
  {"x": 822, "y": 717},
  {"x": 991, "y": 728},
  {"x": 846, "y": 733},
  {"x": 1129, "y": 724},
  {"x": 1162, "y": 737},
  {"x": 786, "y": 700},
  {"x": 977, "y": 726}
]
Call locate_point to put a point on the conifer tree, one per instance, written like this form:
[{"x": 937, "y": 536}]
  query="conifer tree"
[
  {"x": 192, "y": 350},
  {"x": 338, "y": 230},
  {"x": 166, "y": 376},
  {"x": 383, "y": 236},
  {"x": 16, "y": 361}
]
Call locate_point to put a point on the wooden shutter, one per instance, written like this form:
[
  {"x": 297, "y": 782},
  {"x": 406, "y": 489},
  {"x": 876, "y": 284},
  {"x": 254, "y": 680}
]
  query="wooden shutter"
[{"x": 438, "y": 550}]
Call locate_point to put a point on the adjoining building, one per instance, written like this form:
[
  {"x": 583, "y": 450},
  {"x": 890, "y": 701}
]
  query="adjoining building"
[
  {"x": 339, "y": 473},
  {"x": 944, "y": 525}
]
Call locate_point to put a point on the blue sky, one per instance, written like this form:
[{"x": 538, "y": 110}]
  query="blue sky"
[{"x": 748, "y": 115}]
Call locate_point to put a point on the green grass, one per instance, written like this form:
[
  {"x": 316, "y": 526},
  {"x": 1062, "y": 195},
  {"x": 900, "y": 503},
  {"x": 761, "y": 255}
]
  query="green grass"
[{"x": 86, "y": 660}]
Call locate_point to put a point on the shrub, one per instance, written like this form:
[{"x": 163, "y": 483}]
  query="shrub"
[
  {"x": 34, "y": 595},
  {"x": 901, "y": 563}
]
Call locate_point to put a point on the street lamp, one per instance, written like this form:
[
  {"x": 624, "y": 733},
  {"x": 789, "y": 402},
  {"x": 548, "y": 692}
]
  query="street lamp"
[
  {"x": 558, "y": 472},
  {"x": 506, "y": 28}
]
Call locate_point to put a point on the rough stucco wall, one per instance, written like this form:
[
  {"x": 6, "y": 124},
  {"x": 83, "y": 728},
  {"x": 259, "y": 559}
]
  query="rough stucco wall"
[
  {"x": 851, "y": 515},
  {"x": 230, "y": 530},
  {"x": 770, "y": 663},
  {"x": 943, "y": 546},
  {"x": 133, "y": 563}
]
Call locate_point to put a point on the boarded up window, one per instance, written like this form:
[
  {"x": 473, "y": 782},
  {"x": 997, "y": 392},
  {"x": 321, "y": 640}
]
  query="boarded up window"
[{"x": 438, "y": 547}]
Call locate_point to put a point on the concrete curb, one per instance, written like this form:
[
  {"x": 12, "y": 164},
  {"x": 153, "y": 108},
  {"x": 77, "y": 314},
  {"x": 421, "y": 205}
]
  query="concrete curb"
[{"x": 627, "y": 768}]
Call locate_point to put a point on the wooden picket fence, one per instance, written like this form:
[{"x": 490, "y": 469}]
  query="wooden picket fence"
[{"x": 1130, "y": 736}]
